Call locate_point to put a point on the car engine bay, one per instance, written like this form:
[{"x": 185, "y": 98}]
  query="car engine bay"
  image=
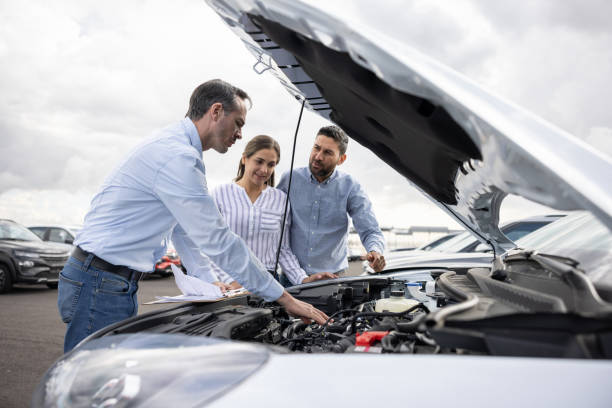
[
  {"x": 438, "y": 312},
  {"x": 357, "y": 323}
]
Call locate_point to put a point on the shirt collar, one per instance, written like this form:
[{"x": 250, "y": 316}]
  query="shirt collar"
[
  {"x": 192, "y": 133},
  {"x": 327, "y": 181}
]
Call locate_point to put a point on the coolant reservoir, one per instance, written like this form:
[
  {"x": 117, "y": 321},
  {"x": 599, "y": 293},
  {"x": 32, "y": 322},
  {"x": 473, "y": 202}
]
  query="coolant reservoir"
[{"x": 396, "y": 303}]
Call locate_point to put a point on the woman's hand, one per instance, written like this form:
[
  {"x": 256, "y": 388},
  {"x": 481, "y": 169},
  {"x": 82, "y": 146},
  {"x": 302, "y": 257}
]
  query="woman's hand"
[{"x": 319, "y": 276}]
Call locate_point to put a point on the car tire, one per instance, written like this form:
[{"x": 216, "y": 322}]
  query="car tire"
[
  {"x": 6, "y": 280},
  {"x": 52, "y": 285}
]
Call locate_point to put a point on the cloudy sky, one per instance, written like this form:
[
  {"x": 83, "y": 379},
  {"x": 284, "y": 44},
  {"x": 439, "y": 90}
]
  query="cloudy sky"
[{"x": 83, "y": 81}]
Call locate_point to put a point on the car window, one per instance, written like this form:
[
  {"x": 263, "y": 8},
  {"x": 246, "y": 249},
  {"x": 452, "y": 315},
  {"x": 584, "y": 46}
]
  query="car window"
[
  {"x": 58, "y": 235},
  {"x": 16, "y": 232},
  {"x": 39, "y": 231},
  {"x": 513, "y": 232},
  {"x": 519, "y": 230}
]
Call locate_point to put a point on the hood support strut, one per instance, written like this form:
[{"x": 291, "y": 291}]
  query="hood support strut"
[{"x": 280, "y": 241}]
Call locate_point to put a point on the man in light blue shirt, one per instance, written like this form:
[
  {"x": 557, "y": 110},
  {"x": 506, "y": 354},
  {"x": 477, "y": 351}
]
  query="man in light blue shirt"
[
  {"x": 322, "y": 198},
  {"x": 157, "y": 193}
]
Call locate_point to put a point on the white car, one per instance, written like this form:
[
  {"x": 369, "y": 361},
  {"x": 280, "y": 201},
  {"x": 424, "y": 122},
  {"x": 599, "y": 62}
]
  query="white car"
[
  {"x": 463, "y": 250},
  {"x": 533, "y": 329}
]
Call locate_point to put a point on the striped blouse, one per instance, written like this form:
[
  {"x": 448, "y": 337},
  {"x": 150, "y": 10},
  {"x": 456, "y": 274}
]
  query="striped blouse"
[{"x": 259, "y": 224}]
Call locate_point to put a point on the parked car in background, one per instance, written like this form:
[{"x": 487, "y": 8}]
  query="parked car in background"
[
  {"x": 463, "y": 248},
  {"x": 25, "y": 258},
  {"x": 163, "y": 267},
  {"x": 513, "y": 230},
  {"x": 62, "y": 234},
  {"x": 437, "y": 242},
  {"x": 461, "y": 262},
  {"x": 523, "y": 331}
]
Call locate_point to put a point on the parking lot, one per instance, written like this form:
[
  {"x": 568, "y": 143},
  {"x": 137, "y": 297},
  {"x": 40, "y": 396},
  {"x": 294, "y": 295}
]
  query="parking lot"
[{"x": 32, "y": 333}]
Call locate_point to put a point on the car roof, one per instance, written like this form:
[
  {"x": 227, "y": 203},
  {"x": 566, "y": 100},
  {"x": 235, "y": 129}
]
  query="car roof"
[{"x": 69, "y": 227}]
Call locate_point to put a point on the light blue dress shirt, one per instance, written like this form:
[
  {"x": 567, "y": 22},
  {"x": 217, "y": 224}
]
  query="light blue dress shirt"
[
  {"x": 320, "y": 211},
  {"x": 159, "y": 193}
]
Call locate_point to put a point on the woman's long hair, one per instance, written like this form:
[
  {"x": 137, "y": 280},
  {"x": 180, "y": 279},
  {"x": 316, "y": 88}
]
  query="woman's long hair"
[{"x": 256, "y": 144}]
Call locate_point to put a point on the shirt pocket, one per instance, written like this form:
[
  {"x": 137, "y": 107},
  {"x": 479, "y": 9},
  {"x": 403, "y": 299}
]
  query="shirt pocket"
[
  {"x": 270, "y": 221},
  {"x": 332, "y": 211}
]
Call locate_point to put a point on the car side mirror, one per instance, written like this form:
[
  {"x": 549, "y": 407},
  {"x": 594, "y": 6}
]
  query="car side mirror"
[
  {"x": 69, "y": 241},
  {"x": 482, "y": 247}
]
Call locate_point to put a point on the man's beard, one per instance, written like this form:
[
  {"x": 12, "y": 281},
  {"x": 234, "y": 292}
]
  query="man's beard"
[{"x": 322, "y": 172}]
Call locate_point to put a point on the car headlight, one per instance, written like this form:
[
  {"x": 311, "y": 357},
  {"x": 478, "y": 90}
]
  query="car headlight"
[
  {"x": 143, "y": 370},
  {"x": 25, "y": 254}
]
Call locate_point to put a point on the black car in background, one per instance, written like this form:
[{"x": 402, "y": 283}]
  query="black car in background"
[{"x": 25, "y": 258}]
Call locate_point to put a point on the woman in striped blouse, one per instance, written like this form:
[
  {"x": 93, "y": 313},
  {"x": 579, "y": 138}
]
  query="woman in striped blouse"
[{"x": 253, "y": 209}]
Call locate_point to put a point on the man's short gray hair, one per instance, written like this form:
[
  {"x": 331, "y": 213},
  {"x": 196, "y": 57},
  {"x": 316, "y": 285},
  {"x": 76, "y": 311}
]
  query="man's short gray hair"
[
  {"x": 211, "y": 92},
  {"x": 337, "y": 134}
]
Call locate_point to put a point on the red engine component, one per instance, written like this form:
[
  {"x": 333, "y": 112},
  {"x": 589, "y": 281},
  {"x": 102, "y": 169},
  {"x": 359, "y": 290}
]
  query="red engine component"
[{"x": 367, "y": 339}]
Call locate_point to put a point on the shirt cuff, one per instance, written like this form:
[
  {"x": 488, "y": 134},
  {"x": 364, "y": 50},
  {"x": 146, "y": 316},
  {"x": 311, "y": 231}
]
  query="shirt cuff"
[
  {"x": 273, "y": 291},
  {"x": 376, "y": 249},
  {"x": 301, "y": 276}
]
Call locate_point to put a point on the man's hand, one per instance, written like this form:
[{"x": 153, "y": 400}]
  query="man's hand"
[
  {"x": 303, "y": 310},
  {"x": 319, "y": 276},
  {"x": 376, "y": 260},
  {"x": 223, "y": 286}
]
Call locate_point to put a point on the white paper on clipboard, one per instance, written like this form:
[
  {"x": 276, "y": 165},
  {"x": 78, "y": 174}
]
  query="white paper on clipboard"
[{"x": 194, "y": 290}]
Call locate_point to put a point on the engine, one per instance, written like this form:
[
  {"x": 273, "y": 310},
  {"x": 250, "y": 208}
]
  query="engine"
[{"x": 365, "y": 317}]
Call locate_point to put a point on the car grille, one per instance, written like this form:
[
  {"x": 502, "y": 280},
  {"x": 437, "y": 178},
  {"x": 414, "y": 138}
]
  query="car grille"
[
  {"x": 51, "y": 274},
  {"x": 54, "y": 260}
]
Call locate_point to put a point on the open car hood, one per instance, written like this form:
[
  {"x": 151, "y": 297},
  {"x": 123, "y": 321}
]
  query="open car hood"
[{"x": 463, "y": 147}]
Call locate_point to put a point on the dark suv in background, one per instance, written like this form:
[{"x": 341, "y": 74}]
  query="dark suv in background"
[{"x": 25, "y": 258}]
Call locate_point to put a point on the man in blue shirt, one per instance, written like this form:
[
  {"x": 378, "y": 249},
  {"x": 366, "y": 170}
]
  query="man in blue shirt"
[
  {"x": 157, "y": 193},
  {"x": 321, "y": 200}
]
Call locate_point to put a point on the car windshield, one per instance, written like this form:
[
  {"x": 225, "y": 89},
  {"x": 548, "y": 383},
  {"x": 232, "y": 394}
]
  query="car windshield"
[
  {"x": 16, "y": 232},
  {"x": 578, "y": 236}
]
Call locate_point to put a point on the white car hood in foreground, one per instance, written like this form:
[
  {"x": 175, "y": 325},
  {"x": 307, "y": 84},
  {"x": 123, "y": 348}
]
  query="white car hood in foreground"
[
  {"x": 422, "y": 381},
  {"x": 463, "y": 147}
]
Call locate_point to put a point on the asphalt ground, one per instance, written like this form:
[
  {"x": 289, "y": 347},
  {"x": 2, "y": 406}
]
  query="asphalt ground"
[{"x": 32, "y": 333}]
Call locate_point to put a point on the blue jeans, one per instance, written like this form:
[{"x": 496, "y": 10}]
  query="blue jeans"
[{"x": 90, "y": 299}]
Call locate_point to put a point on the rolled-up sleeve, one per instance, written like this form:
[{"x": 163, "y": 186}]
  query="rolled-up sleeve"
[
  {"x": 181, "y": 186},
  {"x": 364, "y": 221}
]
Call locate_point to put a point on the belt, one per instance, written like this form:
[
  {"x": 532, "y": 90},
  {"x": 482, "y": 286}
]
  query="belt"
[{"x": 99, "y": 263}]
